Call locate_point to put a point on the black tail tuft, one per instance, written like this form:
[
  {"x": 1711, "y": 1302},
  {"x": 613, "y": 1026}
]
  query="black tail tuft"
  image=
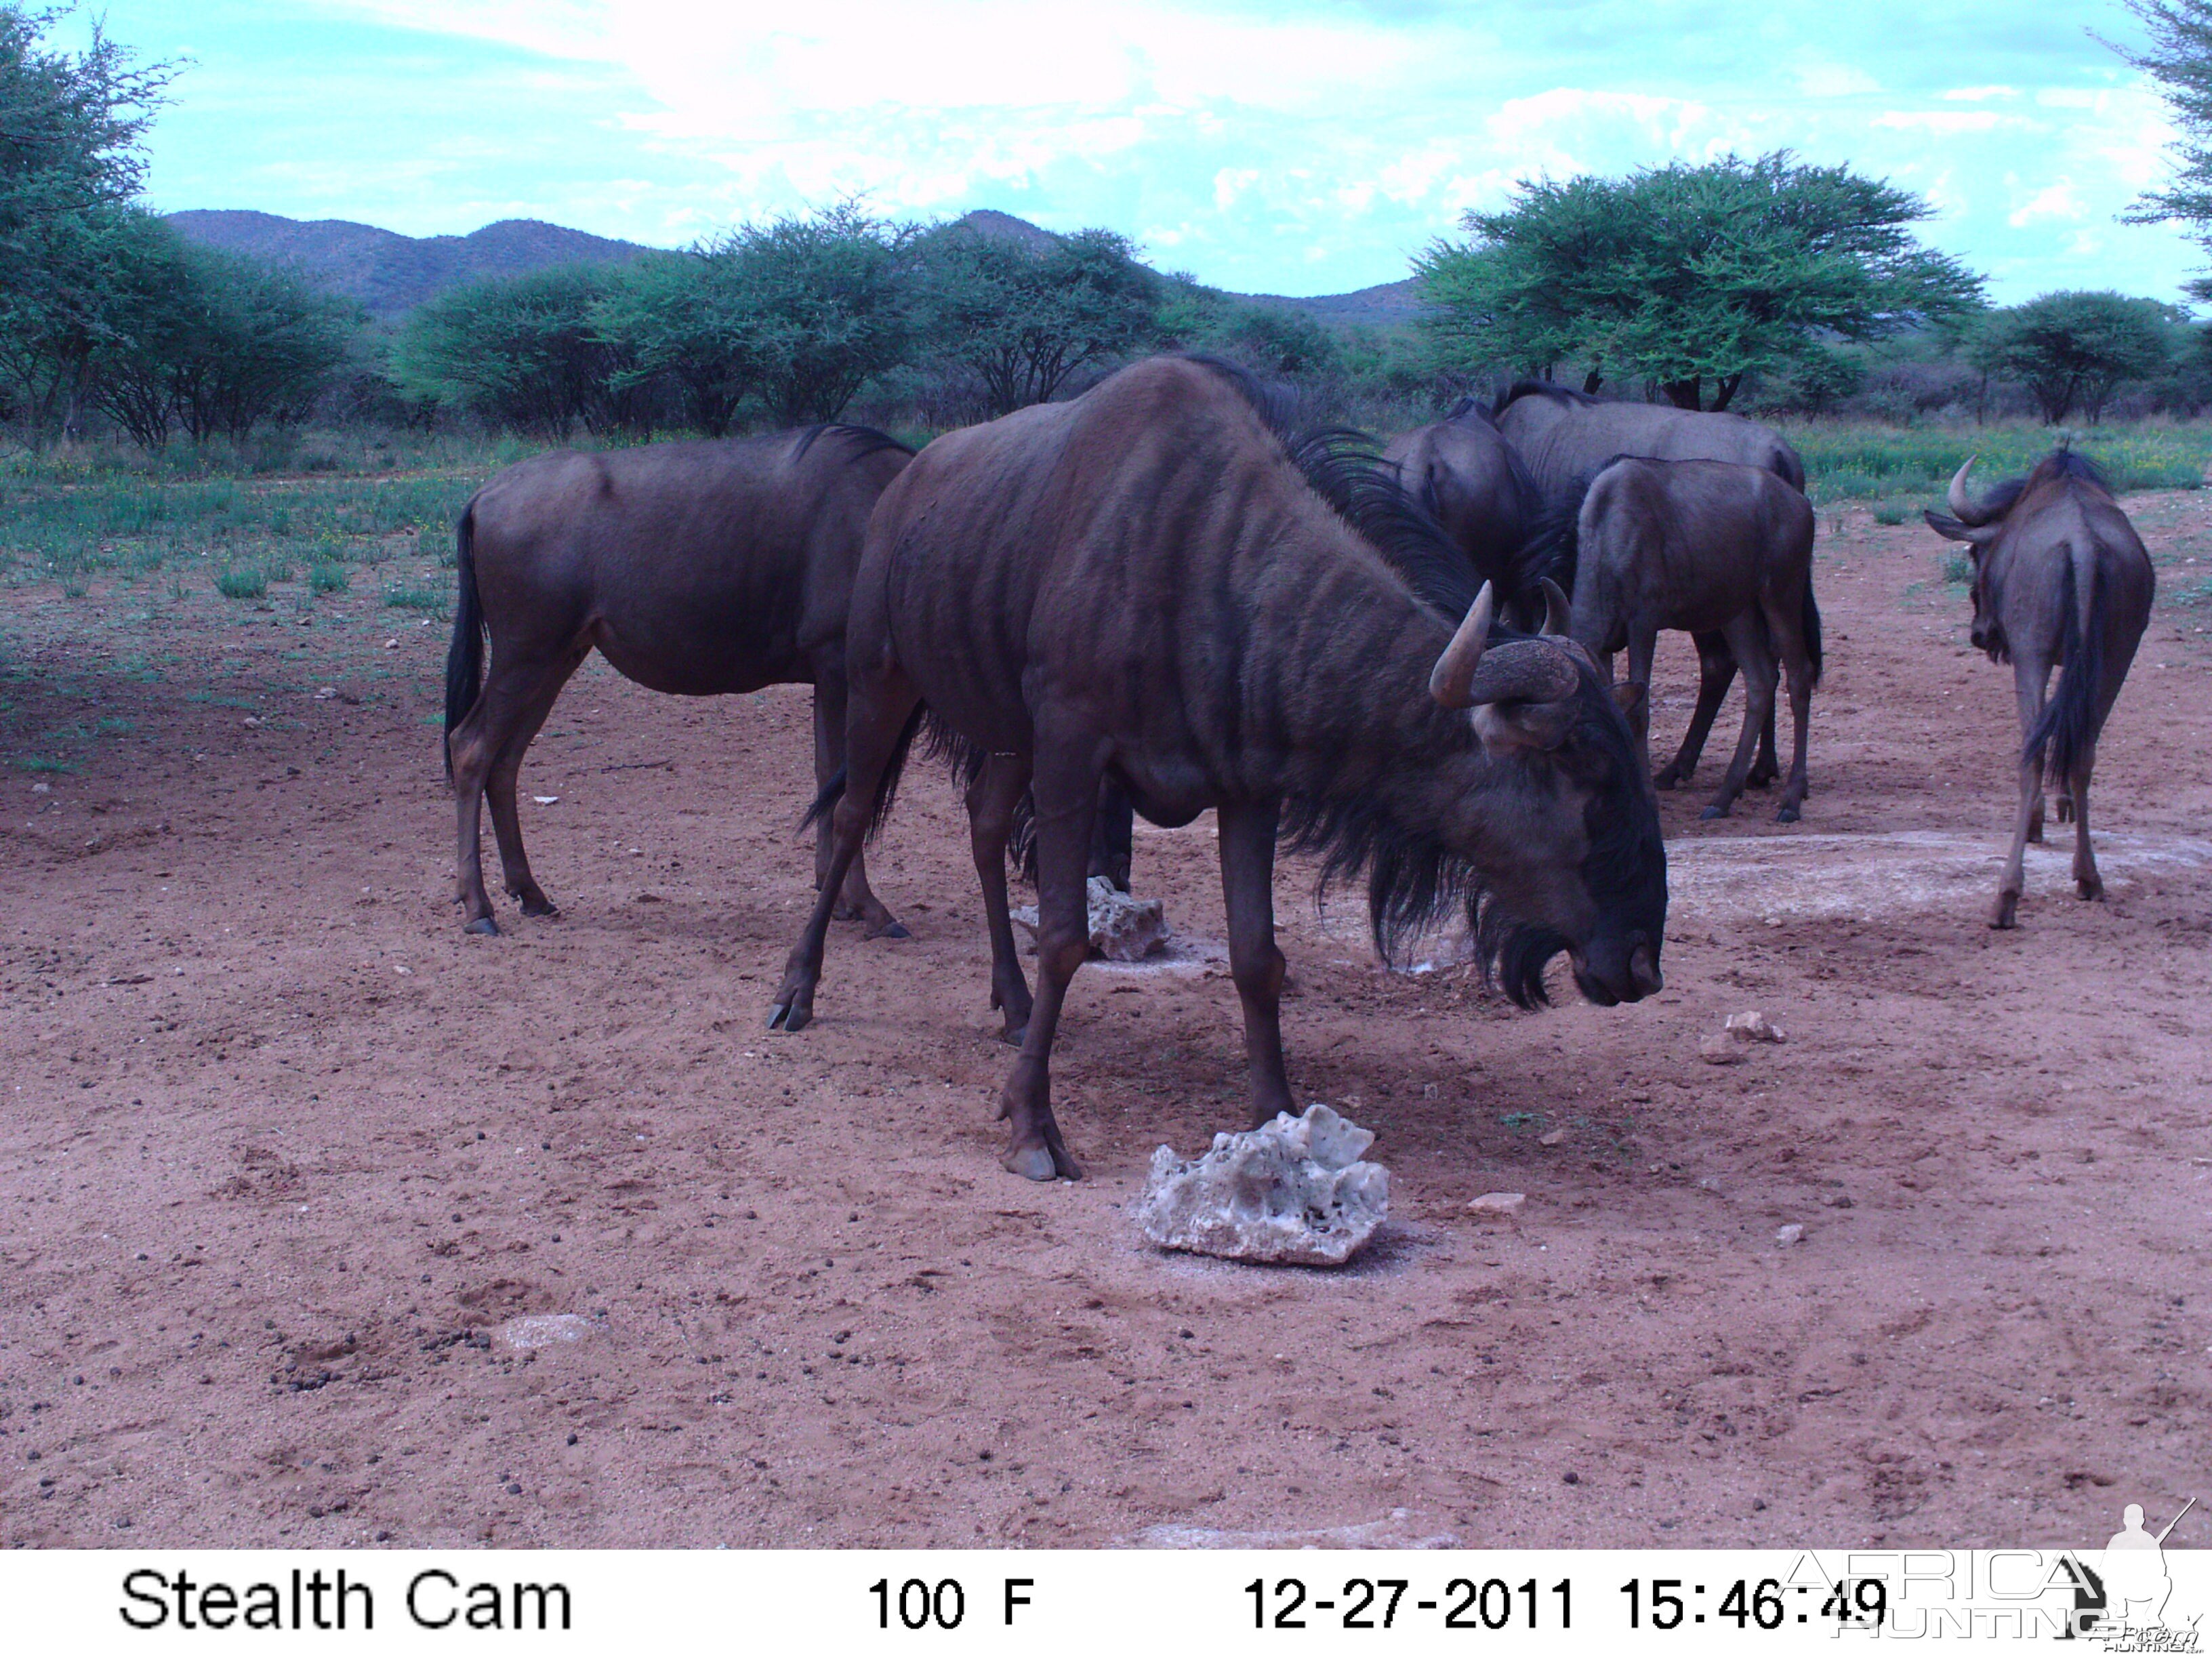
[
  {"x": 2069, "y": 720},
  {"x": 887, "y": 793},
  {"x": 464, "y": 656},
  {"x": 1809, "y": 624}
]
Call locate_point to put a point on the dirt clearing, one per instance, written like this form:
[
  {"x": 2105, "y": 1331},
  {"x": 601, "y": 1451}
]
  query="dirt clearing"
[{"x": 322, "y": 1223}]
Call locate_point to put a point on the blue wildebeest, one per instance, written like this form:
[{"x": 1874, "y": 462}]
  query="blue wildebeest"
[
  {"x": 2060, "y": 578},
  {"x": 1711, "y": 548},
  {"x": 1476, "y": 487},
  {"x": 1565, "y": 436},
  {"x": 699, "y": 568},
  {"x": 1153, "y": 582}
]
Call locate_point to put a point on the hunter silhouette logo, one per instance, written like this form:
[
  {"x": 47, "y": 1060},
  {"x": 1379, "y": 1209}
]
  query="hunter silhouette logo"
[{"x": 2123, "y": 1600}]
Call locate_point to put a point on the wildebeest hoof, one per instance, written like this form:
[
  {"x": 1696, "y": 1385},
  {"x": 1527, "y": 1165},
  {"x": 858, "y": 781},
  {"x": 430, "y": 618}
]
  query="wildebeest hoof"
[
  {"x": 1049, "y": 1163},
  {"x": 2035, "y": 831},
  {"x": 891, "y": 928},
  {"x": 2092, "y": 889},
  {"x": 1667, "y": 779},
  {"x": 483, "y": 925},
  {"x": 1785, "y": 814},
  {"x": 538, "y": 904},
  {"x": 2002, "y": 915},
  {"x": 1714, "y": 813},
  {"x": 2065, "y": 809},
  {"x": 1014, "y": 1036},
  {"x": 791, "y": 1015}
]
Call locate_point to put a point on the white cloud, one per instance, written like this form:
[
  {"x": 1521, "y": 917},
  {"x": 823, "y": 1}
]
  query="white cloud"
[
  {"x": 1288, "y": 144},
  {"x": 2058, "y": 201},
  {"x": 1943, "y": 120}
]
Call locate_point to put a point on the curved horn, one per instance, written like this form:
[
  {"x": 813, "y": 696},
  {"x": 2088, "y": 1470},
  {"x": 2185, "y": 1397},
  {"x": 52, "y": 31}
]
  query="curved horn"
[
  {"x": 1964, "y": 508},
  {"x": 1556, "y": 608},
  {"x": 1454, "y": 671}
]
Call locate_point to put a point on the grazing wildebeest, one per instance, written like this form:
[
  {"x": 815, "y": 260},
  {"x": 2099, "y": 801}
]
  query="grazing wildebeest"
[
  {"x": 697, "y": 568},
  {"x": 1476, "y": 487},
  {"x": 1149, "y": 582},
  {"x": 2060, "y": 578},
  {"x": 1565, "y": 436},
  {"x": 1711, "y": 548}
]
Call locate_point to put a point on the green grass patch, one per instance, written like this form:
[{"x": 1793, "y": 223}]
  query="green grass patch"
[
  {"x": 327, "y": 578},
  {"x": 1846, "y": 461},
  {"x": 40, "y": 764},
  {"x": 1894, "y": 512},
  {"x": 242, "y": 582},
  {"x": 1959, "y": 570},
  {"x": 415, "y": 598}
]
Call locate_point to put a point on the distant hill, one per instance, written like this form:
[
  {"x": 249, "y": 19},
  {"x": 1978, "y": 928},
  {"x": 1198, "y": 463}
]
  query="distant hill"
[
  {"x": 1383, "y": 308},
  {"x": 391, "y": 274}
]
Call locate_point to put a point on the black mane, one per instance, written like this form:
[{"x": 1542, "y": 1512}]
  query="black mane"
[
  {"x": 1414, "y": 878},
  {"x": 1345, "y": 469},
  {"x": 1558, "y": 393},
  {"x": 2064, "y": 462},
  {"x": 862, "y": 440}
]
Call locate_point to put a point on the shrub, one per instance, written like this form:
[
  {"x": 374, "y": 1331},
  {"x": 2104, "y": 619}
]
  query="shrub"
[{"x": 248, "y": 582}]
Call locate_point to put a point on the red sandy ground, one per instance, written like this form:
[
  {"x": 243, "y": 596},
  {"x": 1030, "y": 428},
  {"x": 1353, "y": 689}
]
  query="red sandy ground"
[{"x": 281, "y": 1148}]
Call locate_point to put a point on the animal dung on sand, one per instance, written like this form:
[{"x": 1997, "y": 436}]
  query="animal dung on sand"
[{"x": 1294, "y": 1190}]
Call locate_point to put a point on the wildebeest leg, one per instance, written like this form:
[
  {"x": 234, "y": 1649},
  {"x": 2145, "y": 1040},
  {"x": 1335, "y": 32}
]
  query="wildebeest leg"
[
  {"x": 1768, "y": 766},
  {"x": 1065, "y": 788},
  {"x": 1788, "y": 639},
  {"x": 500, "y": 786},
  {"x": 478, "y": 743},
  {"x": 1716, "y": 673},
  {"x": 1642, "y": 646},
  {"x": 1747, "y": 637},
  {"x": 2087, "y": 884},
  {"x": 991, "y": 801},
  {"x": 1248, "y": 888},
  {"x": 2030, "y": 674},
  {"x": 1111, "y": 841},
  {"x": 871, "y": 741},
  {"x": 854, "y": 900}
]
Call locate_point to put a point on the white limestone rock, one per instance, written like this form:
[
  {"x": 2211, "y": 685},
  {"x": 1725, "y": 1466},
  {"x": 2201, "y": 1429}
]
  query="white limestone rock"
[
  {"x": 1294, "y": 1190},
  {"x": 1122, "y": 928}
]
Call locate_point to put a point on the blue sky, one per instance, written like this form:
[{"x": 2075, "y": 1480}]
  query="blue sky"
[{"x": 1263, "y": 145}]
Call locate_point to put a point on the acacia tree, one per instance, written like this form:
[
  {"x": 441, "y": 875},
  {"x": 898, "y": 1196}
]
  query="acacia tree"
[
  {"x": 1684, "y": 276},
  {"x": 2075, "y": 348},
  {"x": 1025, "y": 319},
  {"x": 673, "y": 314},
  {"x": 814, "y": 306},
  {"x": 527, "y": 352},
  {"x": 70, "y": 165},
  {"x": 2179, "y": 58}
]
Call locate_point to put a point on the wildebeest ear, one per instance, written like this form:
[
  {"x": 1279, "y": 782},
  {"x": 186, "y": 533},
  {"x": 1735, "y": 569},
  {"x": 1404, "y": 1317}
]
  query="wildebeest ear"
[
  {"x": 1945, "y": 526},
  {"x": 1629, "y": 695}
]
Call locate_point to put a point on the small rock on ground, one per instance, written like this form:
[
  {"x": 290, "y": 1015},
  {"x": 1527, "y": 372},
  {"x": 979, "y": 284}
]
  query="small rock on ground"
[
  {"x": 1294, "y": 1190},
  {"x": 1122, "y": 928},
  {"x": 1498, "y": 1203}
]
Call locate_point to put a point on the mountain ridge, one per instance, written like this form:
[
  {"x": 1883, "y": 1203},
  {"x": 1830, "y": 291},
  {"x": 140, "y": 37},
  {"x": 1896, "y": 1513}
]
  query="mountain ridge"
[{"x": 390, "y": 274}]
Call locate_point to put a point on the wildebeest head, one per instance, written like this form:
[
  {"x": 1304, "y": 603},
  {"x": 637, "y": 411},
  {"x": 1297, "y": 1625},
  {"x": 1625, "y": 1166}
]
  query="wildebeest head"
[
  {"x": 1981, "y": 524},
  {"x": 1542, "y": 712}
]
